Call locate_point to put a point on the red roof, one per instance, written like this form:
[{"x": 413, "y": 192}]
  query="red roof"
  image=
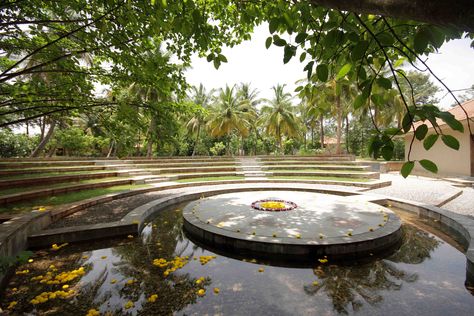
[{"x": 458, "y": 113}]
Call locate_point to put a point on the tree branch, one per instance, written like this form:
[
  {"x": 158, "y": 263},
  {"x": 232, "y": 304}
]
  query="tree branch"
[{"x": 458, "y": 14}]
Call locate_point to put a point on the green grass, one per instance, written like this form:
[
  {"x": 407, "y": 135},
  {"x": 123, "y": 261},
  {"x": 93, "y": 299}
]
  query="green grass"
[
  {"x": 210, "y": 179},
  {"x": 50, "y": 174},
  {"x": 315, "y": 170},
  {"x": 321, "y": 178},
  {"x": 57, "y": 185},
  {"x": 66, "y": 198}
]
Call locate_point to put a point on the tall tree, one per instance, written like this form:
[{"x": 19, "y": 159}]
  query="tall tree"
[
  {"x": 278, "y": 116},
  {"x": 250, "y": 97},
  {"x": 229, "y": 114},
  {"x": 201, "y": 99}
]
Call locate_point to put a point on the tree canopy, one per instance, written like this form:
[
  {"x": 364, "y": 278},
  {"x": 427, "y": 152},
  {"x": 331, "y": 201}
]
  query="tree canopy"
[{"x": 54, "y": 54}]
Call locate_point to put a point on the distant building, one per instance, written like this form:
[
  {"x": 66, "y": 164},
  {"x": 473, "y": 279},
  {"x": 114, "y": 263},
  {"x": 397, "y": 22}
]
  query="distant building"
[{"x": 449, "y": 161}]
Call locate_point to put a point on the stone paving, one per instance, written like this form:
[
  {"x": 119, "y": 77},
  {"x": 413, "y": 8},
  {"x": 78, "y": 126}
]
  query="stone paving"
[
  {"x": 430, "y": 191},
  {"x": 314, "y": 215}
]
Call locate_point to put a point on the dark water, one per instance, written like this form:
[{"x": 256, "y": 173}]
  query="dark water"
[{"x": 424, "y": 277}]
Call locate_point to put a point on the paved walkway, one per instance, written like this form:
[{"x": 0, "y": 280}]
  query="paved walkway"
[{"x": 430, "y": 191}]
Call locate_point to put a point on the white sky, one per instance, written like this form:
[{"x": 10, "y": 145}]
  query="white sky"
[{"x": 252, "y": 62}]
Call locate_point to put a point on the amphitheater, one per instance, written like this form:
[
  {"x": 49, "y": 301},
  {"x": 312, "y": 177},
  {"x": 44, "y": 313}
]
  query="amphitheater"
[{"x": 57, "y": 201}]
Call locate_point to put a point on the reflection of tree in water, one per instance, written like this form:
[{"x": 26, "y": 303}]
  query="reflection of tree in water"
[
  {"x": 416, "y": 246},
  {"x": 350, "y": 286},
  {"x": 174, "y": 292}
]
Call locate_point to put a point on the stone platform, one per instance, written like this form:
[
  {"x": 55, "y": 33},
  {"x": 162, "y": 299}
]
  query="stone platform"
[{"x": 321, "y": 224}]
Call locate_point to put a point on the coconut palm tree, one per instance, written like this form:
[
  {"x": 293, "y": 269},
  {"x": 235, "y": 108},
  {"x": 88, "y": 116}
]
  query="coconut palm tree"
[
  {"x": 229, "y": 114},
  {"x": 250, "y": 96},
  {"x": 202, "y": 99},
  {"x": 278, "y": 116}
]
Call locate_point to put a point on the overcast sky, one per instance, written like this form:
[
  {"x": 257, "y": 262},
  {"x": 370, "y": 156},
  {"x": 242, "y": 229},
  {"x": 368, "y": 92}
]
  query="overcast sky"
[{"x": 252, "y": 62}]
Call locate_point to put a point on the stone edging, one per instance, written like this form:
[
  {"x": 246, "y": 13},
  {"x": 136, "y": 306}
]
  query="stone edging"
[{"x": 461, "y": 226}]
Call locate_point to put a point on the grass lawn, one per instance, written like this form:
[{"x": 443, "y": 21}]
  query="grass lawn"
[
  {"x": 320, "y": 178},
  {"x": 56, "y": 200},
  {"x": 57, "y": 185},
  {"x": 316, "y": 170},
  {"x": 210, "y": 179},
  {"x": 50, "y": 174}
]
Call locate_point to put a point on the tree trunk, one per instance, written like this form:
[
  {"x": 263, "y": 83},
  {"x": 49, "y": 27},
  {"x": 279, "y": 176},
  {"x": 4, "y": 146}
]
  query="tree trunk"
[
  {"x": 44, "y": 141},
  {"x": 197, "y": 140},
  {"x": 339, "y": 124},
  {"x": 321, "y": 126},
  {"x": 280, "y": 151},
  {"x": 27, "y": 129},
  {"x": 227, "y": 145},
  {"x": 347, "y": 133},
  {"x": 111, "y": 147},
  {"x": 43, "y": 127},
  {"x": 149, "y": 149},
  {"x": 52, "y": 151},
  {"x": 304, "y": 139},
  {"x": 439, "y": 12}
]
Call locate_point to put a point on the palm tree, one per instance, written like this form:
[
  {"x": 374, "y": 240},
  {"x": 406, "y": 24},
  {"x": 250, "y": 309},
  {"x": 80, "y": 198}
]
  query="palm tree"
[
  {"x": 150, "y": 96},
  {"x": 230, "y": 113},
  {"x": 278, "y": 116},
  {"x": 250, "y": 97},
  {"x": 202, "y": 99}
]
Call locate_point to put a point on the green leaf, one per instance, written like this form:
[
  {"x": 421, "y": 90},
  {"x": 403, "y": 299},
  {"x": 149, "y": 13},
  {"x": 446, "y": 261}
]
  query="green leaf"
[
  {"x": 278, "y": 41},
  {"x": 164, "y": 3},
  {"x": 217, "y": 63},
  {"x": 384, "y": 83},
  {"x": 222, "y": 58},
  {"x": 387, "y": 152},
  {"x": 421, "y": 40},
  {"x": 344, "y": 71},
  {"x": 399, "y": 62},
  {"x": 451, "y": 121},
  {"x": 359, "y": 101},
  {"x": 322, "y": 72},
  {"x": 407, "y": 168},
  {"x": 309, "y": 68},
  {"x": 392, "y": 131},
  {"x": 302, "y": 57},
  {"x": 450, "y": 141},
  {"x": 421, "y": 131},
  {"x": 378, "y": 99},
  {"x": 273, "y": 25},
  {"x": 429, "y": 165},
  {"x": 430, "y": 141},
  {"x": 406, "y": 122},
  {"x": 358, "y": 51},
  {"x": 386, "y": 39},
  {"x": 268, "y": 42},
  {"x": 210, "y": 57},
  {"x": 288, "y": 53},
  {"x": 300, "y": 37}
]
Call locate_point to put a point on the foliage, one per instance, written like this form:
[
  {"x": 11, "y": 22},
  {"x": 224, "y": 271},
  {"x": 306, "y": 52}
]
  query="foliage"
[
  {"x": 7, "y": 262},
  {"x": 75, "y": 141},
  {"x": 15, "y": 145},
  {"x": 218, "y": 149},
  {"x": 53, "y": 55}
]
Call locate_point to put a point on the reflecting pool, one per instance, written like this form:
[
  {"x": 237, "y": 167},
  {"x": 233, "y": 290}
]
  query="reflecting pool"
[{"x": 162, "y": 272}]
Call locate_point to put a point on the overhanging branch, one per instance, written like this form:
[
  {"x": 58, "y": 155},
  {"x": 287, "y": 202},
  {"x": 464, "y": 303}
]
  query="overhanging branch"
[{"x": 454, "y": 13}]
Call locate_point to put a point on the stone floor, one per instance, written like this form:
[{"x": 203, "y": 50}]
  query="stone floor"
[
  {"x": 430, "y": 191},
  {"x": 421, "y": 189},
  {"x": 315, "y": 215}
]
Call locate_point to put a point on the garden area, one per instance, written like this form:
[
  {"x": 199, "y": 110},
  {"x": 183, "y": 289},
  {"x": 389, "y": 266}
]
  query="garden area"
[{"x": 135, "y": 182}]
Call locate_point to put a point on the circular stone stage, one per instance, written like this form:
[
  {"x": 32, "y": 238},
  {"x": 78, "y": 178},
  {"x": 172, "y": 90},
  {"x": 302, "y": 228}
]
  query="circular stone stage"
[{"x": 291, "y": 223}]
